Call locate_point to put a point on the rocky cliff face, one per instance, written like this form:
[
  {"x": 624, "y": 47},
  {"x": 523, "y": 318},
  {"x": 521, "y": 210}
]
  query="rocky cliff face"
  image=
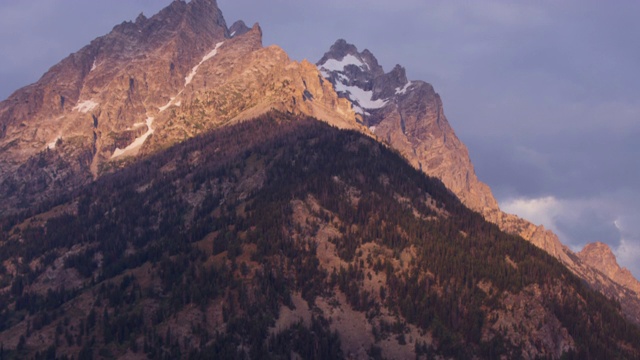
[
  {"x": 59, "y": 132},
  {"x": 144, "y": 86},
  {"x": 409, "y": 116},
  {"x": 242, "y": 80}
]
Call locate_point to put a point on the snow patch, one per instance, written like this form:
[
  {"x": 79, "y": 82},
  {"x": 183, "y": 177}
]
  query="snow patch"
[
  {"x": 339, "y": 65},
  {"x": 52, "y": 145},
  {"x": 343, "y": 77},
  {"x": 136, "y": 125},
  {"x": 363, "y": 98},
  {"x": 163, "y": 108},
  {"x": 403, "y": 90},
  {"x": 86, "y": 106},
  {"x": 233, "y": 33},
  {"x": 94, "y": 66},
  {"x": 194, "y": 71},
  {"x": 359, "y": 110},
  {"x": 372, "y": 129},
  {"x": 137, "y": 143}
]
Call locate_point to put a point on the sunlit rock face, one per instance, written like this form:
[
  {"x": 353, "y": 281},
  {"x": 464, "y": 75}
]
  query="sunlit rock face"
[{"x": 142, "y": 87}]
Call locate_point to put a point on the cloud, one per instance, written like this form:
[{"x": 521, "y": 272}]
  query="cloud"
[
  {"x": 628, "y": 253},
  {"x": 541, "y": 211}
]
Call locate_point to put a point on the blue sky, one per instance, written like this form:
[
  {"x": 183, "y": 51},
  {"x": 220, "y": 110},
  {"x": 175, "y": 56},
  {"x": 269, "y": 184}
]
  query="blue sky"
[{"x": 545, "y": 94}]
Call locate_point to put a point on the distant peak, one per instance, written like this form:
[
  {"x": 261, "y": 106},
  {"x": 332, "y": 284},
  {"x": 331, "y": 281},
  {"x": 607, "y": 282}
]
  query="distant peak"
[
  {"x": 597, "y": 246},
  {"x": 239, "y": 28},
  {"x": 342, "y": 49},
  {"x": 399, "y": 73},
  {"x": 253, "y": 35},
  {"x": 141, "y": 18},
  {"x": 199, "y": 12},
  {"x": 256, "y": 27},
  {"x": 209, "y": 3},
  {"x": 600, "y": 256}
]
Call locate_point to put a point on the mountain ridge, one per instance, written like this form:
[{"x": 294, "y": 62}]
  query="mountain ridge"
[
  {"x": 84, "y": 133},
  {"x": 175, "y": 86},
  {"x": 430, "y": 144},
  {"x": 307, "y": 234}
]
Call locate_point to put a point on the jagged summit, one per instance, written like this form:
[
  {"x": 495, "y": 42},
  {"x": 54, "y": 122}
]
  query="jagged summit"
[
  {"x": 238, "y": 28},
  {"x": 136, "y": 90},
  {"x": 200, "y": 16},
  {"x": 599, "y": 256},
  {"x": 102, "y": 98},
  {"x": 359, "y": 77},
  {"x": 341, "y": 49}
]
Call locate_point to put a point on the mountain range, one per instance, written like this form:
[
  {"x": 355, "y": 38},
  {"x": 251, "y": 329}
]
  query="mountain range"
[{"x": 175, "y": 181}]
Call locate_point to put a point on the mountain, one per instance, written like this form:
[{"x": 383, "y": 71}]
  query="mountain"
[
  {"x": 57, "y": 133},
  {"x": 306, "y": 241},
  {"x": 600, "y": 257},
  {"x": 409, "y": 116},
  {"x": 145, "y": 86},
  {"x": 167, "y": 191}
]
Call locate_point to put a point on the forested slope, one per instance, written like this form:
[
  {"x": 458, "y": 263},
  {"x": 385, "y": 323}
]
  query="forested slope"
[{"x": 284, "y": 235}]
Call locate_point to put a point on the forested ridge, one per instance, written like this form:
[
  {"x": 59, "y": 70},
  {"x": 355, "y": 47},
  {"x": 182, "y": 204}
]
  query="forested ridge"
[{"x": 199, "y": 250}]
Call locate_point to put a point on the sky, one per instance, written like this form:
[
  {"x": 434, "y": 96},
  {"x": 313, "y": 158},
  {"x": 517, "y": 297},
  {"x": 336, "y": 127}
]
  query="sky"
[{"x": 545, "y": 94}]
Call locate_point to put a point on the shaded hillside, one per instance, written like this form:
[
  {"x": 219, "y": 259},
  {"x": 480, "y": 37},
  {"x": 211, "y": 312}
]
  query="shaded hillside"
[
  {"x": 152, "y": 83},
  {"x": 286, "y": 236}
]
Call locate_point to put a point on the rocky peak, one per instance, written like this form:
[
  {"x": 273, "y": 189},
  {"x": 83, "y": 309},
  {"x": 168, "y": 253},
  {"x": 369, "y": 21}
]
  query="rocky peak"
[
  {"x": 345, "y": 57},
  {"x": 339, "y": 50},
  {"x": 409, "y": 116},
  {"x": 599, "y": 256},
  {"x": 141, "y": 18},
  {"x": 255, "y": 32},
  {"x": 392, "y": 83},
  {"x": 111, "y": 96},
  {"x": 354, "y": 75},
  {"x": 238, "y": 28},
  {"x": 202, "y": 16},
  {"x": 105, "y": 96}
]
